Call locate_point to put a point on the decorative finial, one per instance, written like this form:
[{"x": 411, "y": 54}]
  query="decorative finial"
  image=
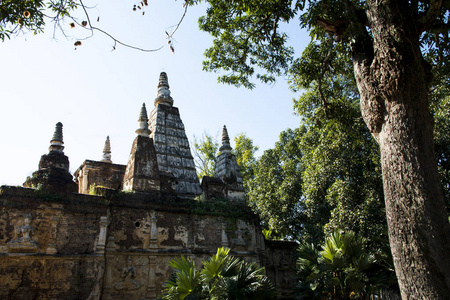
[
  {"x": 225, "y": 141},
  {"x": 163, "y": 96},
  {"x": 143, "y": 123},
  {"x": 56, "y": 144},
  {"x": 107, "y": 151}
]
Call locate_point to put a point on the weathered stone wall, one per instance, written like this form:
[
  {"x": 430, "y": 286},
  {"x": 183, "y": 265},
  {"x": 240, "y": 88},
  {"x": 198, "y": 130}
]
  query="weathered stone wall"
[
  {"x": 98, "y": 173},
  {"x": 279, "y": 258},
  {"x": 50, "y": 277},
  {"x": 52, "y": 256},
  {"x": 118, "y": 246}
]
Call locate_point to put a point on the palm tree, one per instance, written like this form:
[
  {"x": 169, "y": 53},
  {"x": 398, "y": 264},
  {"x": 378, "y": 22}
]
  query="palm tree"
[
  {"x": 341, "y": 270},
  {"x": 222, "y": 277},
  {"x": 184, "y": 282}
]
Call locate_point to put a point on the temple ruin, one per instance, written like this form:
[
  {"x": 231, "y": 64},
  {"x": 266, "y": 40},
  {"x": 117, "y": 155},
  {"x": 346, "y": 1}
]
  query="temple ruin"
[{"x": 110, "y": 230}]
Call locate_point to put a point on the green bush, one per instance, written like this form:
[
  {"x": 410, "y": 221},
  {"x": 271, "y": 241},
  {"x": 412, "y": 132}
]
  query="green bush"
[
  {"x": 343, "y": 269},
  {"x": 222, "y": 277}
]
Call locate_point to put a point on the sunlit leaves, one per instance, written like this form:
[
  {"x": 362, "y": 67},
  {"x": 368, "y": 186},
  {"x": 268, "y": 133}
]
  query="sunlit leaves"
[
  {"x": 16, "y": 16},
  {"x": 23, "y": 16},
  {"x": 342, "y": 269},
  {"x": 222, "y": 277},
  {"x": 247, "y": 40},
  {"x": 205, "y": 152},
  {"x": 275, "y": 191},
  {"x": 244, "y": 150},
  {"x": 342, "y": 182}
]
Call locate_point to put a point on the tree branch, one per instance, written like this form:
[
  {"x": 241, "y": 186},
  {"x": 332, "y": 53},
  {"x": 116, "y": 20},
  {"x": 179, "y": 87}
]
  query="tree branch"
[
  {"x": 185, "y": 5},
  {"x": 336, "y": 27},
  {"x": 116, "y": 41},
  {"x": 424, "y": 22}
]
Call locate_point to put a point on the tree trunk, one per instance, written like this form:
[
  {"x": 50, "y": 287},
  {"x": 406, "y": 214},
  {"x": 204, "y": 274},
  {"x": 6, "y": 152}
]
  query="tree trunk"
[{"x": 392, "y": 80}]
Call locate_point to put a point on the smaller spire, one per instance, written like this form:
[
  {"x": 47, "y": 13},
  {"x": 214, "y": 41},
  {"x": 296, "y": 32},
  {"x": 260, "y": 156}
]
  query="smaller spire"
[
  {"x": 143, "y": 123},
  {"x": 225, "y": 141},
  {"x": 56, "y": 144},
  {"x": 163, "y": 96},
  {"x": 107, "y": 151}
]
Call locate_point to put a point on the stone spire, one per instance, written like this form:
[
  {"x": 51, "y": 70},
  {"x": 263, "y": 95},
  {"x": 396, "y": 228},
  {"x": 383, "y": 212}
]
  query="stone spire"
[
  {"x": 225, "y": 141},
  {"x": 107, "y": 151},
  {"x": 171, "y": 144},
  {"x": 228, "y": 171},
  {"x": 53, "y": 173},
  {"x": 56, "y": 144},
  {"x": 163, "y": 96},
  {"x": 143, "y": 123}
]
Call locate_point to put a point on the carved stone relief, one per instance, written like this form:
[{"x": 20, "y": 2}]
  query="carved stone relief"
[
  {"x": 51, "y": 247},
  {"x": 225, "y": 242},
  {"x": 241, "y": 241},
  {"x": 128, "y": 275},
  {"x": 101, "y": 242},
  {"x": 23, "y": 243}
]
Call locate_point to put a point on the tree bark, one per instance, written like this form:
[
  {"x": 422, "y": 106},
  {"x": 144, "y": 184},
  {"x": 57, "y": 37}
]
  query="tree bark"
[{"x": 393, "y": 83}]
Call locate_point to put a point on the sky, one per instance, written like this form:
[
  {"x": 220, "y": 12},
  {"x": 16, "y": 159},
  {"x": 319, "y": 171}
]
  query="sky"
[{"x": 97, "y": 92}]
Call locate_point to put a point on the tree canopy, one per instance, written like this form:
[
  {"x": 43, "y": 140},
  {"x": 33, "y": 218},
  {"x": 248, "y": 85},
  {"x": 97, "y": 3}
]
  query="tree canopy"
[
  {"x": 394, "y": 49},
  {"x": 275, "y": 190},
  {"x": 30, "y": 15}
]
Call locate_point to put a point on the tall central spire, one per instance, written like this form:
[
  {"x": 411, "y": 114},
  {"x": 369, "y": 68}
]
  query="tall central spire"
[
  {"x": 171, "y": 143},
  {"x": 163, "y": 96}
]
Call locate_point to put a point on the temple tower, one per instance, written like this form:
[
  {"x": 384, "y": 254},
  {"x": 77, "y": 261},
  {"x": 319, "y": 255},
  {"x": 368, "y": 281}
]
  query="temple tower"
[
  {"x": 103, "y": 174},
  {"x": 171, "y": 144},
  {"x": 142, "y": 172},
  {"x": 107, "y": 151},
  {"x": 228, "y": 171},
  {"x": 53, "y": 173}
]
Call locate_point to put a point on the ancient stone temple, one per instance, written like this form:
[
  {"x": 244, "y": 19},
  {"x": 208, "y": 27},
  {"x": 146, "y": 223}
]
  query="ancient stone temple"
[
  {"x": 110, "y": 232},
  {"x": 227, "y": 181},
  {"x": 171, "y": 144}
]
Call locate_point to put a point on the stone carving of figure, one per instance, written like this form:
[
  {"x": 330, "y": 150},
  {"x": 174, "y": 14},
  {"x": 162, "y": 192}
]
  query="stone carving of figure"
[
  {"x": 239, "y": 241},
  {"x": 128, "y": 274},
  {"x": 23, "y": 243}
]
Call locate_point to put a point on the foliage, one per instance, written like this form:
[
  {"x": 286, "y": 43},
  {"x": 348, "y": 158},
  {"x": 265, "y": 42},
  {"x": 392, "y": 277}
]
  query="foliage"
[
  {"x": 244, "y": 150},
  {"x": 325, "y": 174},
  {"x": 248, "y": 40},
  {"x": 342, "y": 183},
  {"x": 205, "y": 153},
  {"x": 206, "y": 150},
  {"x": 343, "y": 269},
  {"x": 222, "y": 277},
  {"x": 219, "y": 207},
  {"x": 246, "y": 37},
  {"x": 441, "y": 111},
  {"x": 29, "y": 15},
  {"x": 275, "y": 191}
]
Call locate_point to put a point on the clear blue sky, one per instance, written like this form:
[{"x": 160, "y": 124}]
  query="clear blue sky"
[{"x": 97, "y": 92}]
